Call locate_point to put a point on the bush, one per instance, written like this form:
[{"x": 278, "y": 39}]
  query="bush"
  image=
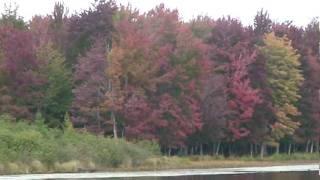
[
  {"x": 37, "y": 166},
  {"x": 13, "y": 168},
  {"x": 71, "y": 166},
  {"x": 41, "y": 148},
  {"x": 150, "y": 146}
]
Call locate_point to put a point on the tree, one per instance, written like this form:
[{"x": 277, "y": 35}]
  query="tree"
[
  {"x": 20, "y": 81},
  {"x": 284, "y": 79},
  {"x": 10, "y": 17},
  {"x": 84, "y": 28},
  {"x": 309, "y": 104},
  {"x": 51, "y": 28},
  {"x": 292, "y": 32},
  {"x": 311, "y": 38},
  {"x": 231, "y": 100},
  {"x": 57, "y": 89},
  {"x": 262, "y": 23},
  {"x": 225, "y": 35},
  {"x": 243, "y": 98},
  {"x": 201, "y": 27},
  {"x": 39, "y": 27},
  {"x": 129, "y": 75},
  {"x": 90, "y": 84},
  {"x": 182, "y": 61},
  {"x": 264, "y": 114},
  {"x": 114, "y": 96},
  {"x": 157, "y": 61},
  {"x": 296, "y": 36},
  {"x": 59, "y": 26}
]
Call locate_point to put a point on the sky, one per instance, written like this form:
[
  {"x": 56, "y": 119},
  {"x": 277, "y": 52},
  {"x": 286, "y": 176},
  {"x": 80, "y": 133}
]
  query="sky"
[{"x": 300, "y": 12}]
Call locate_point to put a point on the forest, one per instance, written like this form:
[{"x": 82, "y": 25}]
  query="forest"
[{"x": 204, "y": 86}]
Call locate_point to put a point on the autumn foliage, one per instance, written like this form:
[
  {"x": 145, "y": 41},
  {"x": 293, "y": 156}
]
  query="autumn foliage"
[{"x": 208, "y": 85}]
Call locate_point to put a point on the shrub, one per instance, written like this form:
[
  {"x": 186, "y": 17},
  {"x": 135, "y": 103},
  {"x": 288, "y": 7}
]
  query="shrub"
[
  {"x": 37, "y": 166},
  {"x": 71, "y": 166},
  {"x": 13, "y": 168},
  {"x": 41, "y": 148}
]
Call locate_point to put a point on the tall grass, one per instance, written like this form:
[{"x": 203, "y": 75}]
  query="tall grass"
[{"x": 35, "y": 148}]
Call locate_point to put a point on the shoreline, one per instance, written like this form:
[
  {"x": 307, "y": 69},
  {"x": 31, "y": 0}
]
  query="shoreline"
[
  {"x": 173, "y": 163},
  {"x": 170, "y": 173}
]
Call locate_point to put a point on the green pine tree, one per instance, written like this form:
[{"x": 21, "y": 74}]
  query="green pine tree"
[{"x": 57, "y": 91}]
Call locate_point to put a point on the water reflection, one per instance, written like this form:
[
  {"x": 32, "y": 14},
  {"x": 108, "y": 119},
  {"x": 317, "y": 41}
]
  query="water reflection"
[{"x": 259, "y": 176}]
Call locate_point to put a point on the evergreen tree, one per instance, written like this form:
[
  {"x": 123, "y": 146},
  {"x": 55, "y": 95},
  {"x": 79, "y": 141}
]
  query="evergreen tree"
[
  {"x": 57, "y": 89},
  {"x": 11, "y": 18}
]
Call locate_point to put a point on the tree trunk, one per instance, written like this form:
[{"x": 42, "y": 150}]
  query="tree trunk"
[
  {"x": 251, "y": 150},
  {"x": 317, "y": 146},
  {"x": 201, "y": 149},
  {"x": 218, "y": 149},
  {"x": 311, "y": 147},
  {"x": 113, "y": 118},
  {"x": 169, "y": 152},
  {"x": 213, "y": 149},
  {"x": 98, "y": 118},
  {"x": 278, "y": 149},
  {"x": 122, "y": 133},
  {"x": 255, "y": 148},
  {"x": 289, "y": 149},
  {"x": 262, "y": 150},
  {"x": 180, "y": 151},
  {"x": 307, "y": 146}
]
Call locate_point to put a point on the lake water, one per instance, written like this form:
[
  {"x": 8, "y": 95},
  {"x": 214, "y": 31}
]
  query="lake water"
[
  {"x": 287, "y": 172},
  {"x": 258, "y": 176}
]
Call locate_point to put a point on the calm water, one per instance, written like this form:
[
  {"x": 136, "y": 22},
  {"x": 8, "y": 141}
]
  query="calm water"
[{"x": 258, "y": 176}]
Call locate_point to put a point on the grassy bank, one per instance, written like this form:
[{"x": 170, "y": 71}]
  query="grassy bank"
[
  {"x": 26, "y": 148},
  {"x": 35, "y": 148},
  {"x": 158, "y": 163},
  {"x": 150, "y": 164}
]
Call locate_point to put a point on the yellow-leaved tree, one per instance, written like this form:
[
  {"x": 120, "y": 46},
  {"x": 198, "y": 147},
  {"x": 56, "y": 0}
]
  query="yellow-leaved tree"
[{"x": 284, "y": 78}]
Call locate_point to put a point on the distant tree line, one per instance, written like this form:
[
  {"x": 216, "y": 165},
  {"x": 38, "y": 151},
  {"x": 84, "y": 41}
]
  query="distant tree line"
[{"x": 207, "y": 86}]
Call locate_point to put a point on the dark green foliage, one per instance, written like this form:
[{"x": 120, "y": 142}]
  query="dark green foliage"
[
  {"x": 262, "y": 23},
  {"x": 57, "y": 89}
]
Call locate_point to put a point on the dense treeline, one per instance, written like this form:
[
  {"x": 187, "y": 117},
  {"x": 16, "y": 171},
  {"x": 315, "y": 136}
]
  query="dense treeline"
[{"x": 204, "y": 86}]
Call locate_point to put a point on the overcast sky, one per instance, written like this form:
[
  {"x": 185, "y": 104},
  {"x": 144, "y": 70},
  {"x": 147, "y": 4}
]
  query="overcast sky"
[{"x": 299, "y": 11}]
